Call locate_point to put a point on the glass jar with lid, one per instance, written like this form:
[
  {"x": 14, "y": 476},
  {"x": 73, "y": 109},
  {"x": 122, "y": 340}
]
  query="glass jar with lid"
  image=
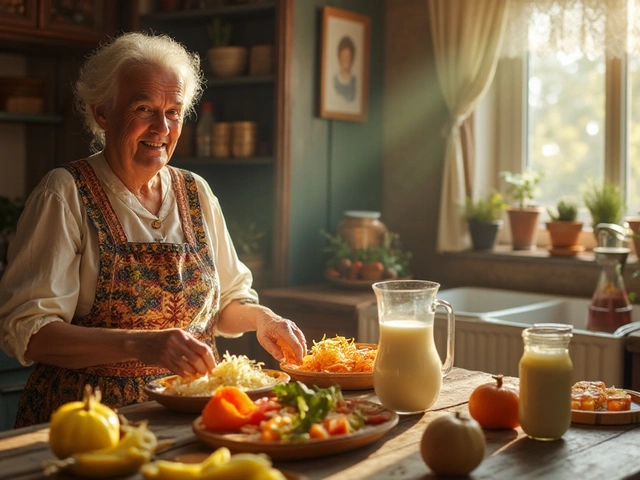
[
  {"x": 362, "y": 229},
  {"x": 546, "y": 377}
]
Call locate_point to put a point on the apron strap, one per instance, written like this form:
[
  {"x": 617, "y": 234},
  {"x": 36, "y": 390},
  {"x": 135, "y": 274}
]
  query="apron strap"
[{"x": 97, "y": 203}]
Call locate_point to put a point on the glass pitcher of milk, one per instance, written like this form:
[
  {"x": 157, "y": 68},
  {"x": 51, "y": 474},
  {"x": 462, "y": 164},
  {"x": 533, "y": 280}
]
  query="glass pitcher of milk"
[{"x": 407, "y": 373}]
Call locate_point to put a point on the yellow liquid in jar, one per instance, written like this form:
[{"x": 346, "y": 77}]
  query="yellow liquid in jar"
[
  {"x": 407, "y": 373},
  {"x": 545, "y": 393}
]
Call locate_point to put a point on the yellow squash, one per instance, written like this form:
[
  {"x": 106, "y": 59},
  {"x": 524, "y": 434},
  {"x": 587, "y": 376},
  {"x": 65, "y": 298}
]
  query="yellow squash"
[
  {"x": 125, "y": 458},
  {"x": 220, "y": 465},
  {"x": 83, "y": 426}
]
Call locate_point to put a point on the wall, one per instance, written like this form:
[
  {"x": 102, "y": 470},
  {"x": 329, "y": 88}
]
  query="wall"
[
  {"x": 413, "y": 145},
  {"x": 335, "y": 165},
  {"x": 414, "y": 148}
]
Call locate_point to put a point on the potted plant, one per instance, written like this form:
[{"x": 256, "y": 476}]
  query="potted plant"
[
  {"x": 484, "y": 219},
  {"x": 605, "y": 203},
  {"x": 564, "y": 229},
  {"x": 523, "y": 218},
  {"x": 369, "y": 264},
  {"x": 249, "y": 242},
  {"x": 225, "y": 60},
  {"x": 10, "y": 211}
]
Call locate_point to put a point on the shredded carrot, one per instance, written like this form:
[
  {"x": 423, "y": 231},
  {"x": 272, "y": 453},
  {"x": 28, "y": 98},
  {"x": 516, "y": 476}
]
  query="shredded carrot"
[
  {"x": 338, "y": 355},
  {"x": 287, "y": 351}
]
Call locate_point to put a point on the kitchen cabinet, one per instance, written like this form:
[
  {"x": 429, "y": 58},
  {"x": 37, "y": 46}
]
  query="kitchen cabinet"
[
  {"x": 251, "y": 190},
  {"x": 53, "y": 37},
  {"x": 13, "y": 377},
  {"x": 85, "y": 21}
]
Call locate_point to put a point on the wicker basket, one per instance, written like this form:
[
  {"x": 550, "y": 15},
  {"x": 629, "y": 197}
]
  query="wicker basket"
[{"x": 227, "y": 61}]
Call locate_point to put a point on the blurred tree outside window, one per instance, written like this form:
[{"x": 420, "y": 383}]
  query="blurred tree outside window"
[
  {"x": 566, "y": 124},
  {"x": 566, "y": 96}
]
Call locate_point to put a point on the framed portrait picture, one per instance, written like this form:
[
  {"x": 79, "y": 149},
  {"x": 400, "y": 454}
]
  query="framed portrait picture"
[{"x": 344, "y": 68}]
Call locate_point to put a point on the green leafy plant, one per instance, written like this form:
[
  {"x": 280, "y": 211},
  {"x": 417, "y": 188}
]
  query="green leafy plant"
[
  {"x": 219, "y": 32},
  {"x": 566, "y": 211},
  {"x": 10, "y": 211},
  {"x": 393, "y": 257},
  {"x": 248, "y": 239},
  {"x": 487, "y": 209},
  {"x": 605, "y": 202},
  {"x": 522, "y": 186}
]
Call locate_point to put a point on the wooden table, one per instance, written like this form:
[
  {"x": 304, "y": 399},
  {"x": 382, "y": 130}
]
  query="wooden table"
[{"x": 584, "y": 452}]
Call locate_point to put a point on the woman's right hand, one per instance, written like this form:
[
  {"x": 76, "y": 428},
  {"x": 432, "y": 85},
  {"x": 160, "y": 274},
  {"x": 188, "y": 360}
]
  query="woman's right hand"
[{"x": 175, "y": 350}]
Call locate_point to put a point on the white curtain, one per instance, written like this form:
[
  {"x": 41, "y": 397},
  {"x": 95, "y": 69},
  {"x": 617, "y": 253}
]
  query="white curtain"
[
  {"x": 467, "y": 37},
  {"x": 589, "y": 27}
]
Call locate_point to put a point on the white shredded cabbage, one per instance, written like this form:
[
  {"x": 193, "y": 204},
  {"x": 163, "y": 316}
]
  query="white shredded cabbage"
[{"x": 233, "y": 371}]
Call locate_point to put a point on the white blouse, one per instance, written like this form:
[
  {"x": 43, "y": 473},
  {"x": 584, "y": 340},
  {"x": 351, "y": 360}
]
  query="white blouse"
[{"x": 54, "y": 259}]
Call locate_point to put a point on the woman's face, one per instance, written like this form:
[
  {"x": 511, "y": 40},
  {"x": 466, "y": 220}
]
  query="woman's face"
[
  {"x": 345, "y": 59},
  {"x": 143, "y": 127}
]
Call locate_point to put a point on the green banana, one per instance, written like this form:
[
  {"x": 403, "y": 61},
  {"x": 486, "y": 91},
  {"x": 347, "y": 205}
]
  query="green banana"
[
  {"x": 125, "y": 458},
  {"x": 219, "y": 465}
]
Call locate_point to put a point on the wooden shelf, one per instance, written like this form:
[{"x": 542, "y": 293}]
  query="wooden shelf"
[
  {"x": 30, "y": 118},
  {"x": 201, "y": 161},
  {"x": 205, "y": 14},
  {"x": 243, "y": 80}
]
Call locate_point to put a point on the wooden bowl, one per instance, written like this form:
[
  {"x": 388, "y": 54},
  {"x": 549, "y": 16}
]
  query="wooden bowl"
[{"x": 195, "y": 403}]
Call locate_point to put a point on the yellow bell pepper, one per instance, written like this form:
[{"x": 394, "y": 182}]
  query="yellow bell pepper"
[{"x": 83, "y": 426}]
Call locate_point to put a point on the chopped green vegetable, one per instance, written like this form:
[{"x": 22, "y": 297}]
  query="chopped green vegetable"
[{"x": 311, "y": 404}]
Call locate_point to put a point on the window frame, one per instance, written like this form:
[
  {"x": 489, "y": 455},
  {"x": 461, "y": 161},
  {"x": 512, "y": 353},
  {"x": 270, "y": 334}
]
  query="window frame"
[{"x": 507, "y": 99}]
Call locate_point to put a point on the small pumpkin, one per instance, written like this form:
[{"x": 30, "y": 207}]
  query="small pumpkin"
[
  {"x": 83, "y": 426},
  {"x": 453, "y": 444},
  {"x": 494, "y": 405}
]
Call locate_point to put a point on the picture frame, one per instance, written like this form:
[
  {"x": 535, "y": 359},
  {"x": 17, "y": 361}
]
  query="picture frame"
[{"x": 344, "y": 65}]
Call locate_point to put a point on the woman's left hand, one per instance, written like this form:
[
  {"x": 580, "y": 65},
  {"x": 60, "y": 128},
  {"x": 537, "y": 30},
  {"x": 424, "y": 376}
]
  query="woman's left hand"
[{"x": 272, "y": 329}]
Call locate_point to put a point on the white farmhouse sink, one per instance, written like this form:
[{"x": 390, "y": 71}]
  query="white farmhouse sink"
[
  {"x": 489, "y": 325},
  {"x": 475, "y": 301}
]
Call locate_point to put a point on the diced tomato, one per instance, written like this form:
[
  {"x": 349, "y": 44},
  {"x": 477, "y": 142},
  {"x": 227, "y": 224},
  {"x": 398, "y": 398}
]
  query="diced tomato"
[
  {"x": 269, "y": 436},
  {"x": 263, "y": 407},
  {"x": 337, "y": 425},
  {"x": 378, "y": 418},
  {"x": 318, "y": 431},
  {"x": 366, "y": 408},
  {"x": 272, "y": 429}
]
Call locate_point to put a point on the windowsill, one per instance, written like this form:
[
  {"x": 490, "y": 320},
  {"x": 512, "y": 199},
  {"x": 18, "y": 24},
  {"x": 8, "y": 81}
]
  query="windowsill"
[
  {"x": 534, "y": 271},
  {"x": 540, "y": 254}
]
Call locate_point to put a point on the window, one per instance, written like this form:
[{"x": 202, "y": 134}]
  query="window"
[
  {"x": 565, "y": 123},
  {"x": 567, "y": 114}
]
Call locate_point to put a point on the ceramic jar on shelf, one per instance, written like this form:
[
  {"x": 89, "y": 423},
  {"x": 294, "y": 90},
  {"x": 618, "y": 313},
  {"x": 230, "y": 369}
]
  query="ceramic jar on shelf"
[{"x": 362, "y": 229}]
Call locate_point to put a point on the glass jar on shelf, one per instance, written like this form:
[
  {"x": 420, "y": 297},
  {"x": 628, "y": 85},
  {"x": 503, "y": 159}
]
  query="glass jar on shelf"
[{"x": 362, "y": 229}]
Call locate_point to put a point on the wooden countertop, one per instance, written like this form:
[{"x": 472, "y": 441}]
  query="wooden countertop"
[
  {"x": 322, "y": 295},
  {"x": 585, "y": 452}
]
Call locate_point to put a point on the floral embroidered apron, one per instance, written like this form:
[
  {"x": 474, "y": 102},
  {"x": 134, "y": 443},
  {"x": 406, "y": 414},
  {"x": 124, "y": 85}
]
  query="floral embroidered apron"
[{"x": 141, "y": 286}]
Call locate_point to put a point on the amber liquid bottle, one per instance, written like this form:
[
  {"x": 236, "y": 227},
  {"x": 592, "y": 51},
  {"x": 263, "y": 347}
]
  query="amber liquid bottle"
[{"x": 610, "y": 306}]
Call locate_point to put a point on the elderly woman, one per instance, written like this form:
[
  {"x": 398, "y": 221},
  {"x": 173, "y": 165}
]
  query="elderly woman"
[{"x": 122, "y": 269}]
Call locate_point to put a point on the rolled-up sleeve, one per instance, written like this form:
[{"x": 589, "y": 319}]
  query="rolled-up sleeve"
[{"x": 41, "y": 282}]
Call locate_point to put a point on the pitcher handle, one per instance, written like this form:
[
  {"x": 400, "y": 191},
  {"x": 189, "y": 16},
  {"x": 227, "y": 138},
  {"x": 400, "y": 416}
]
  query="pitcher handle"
[{"x": 451, "y": 335}]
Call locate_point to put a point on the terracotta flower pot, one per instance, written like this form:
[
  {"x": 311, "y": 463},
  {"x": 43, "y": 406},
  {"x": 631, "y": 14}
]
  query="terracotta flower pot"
[
  {"x": 483, "y": 234},
  {"x": 523, "y": 223},
  {"x": 565, "y": 238}
]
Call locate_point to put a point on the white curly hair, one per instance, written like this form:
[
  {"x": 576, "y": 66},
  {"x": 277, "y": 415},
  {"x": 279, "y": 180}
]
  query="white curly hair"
[{"x": 99, "y": 77}]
